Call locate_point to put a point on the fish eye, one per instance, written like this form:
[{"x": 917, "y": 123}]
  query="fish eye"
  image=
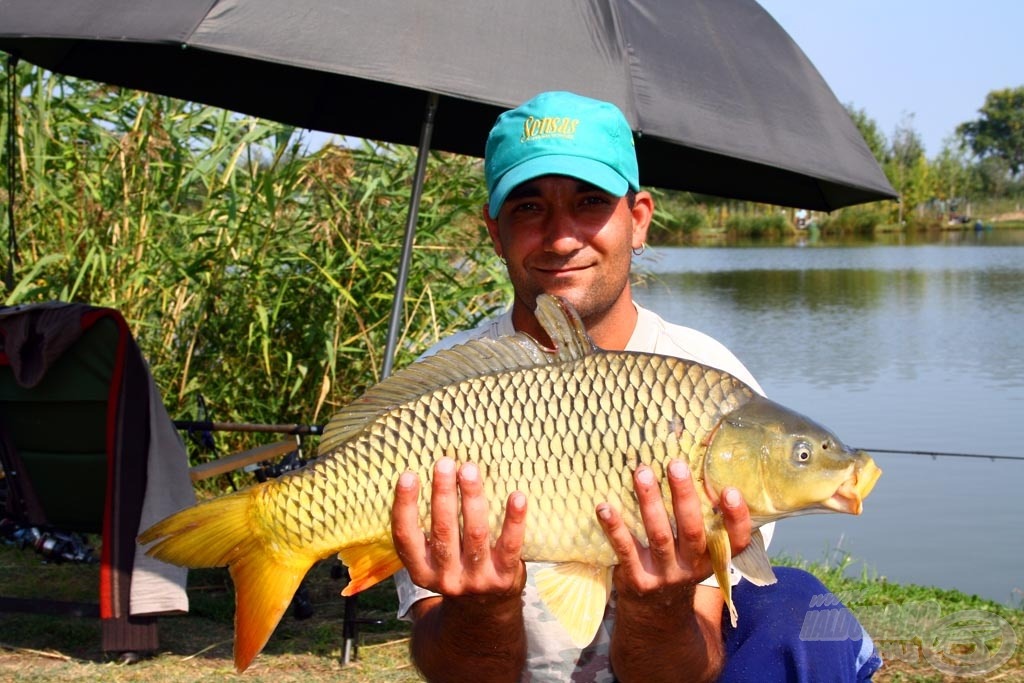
[{"x": 801, "y": 453}]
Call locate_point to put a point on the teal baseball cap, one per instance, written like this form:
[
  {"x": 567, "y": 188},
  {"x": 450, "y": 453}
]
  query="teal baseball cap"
[{"x": 560, "y": 133}]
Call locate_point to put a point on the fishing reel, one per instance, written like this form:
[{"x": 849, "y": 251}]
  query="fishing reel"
[
  {"x": 287, "y": 463},
  {"x": 55, "y": 546}
]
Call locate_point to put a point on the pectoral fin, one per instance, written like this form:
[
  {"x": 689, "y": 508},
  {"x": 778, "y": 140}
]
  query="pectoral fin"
[
  {"x": 576, "y": 594},
  {"x": 721, "y": 555},
  {"x": 753, "y": 562}
]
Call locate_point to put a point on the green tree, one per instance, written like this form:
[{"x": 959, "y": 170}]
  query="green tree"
[
  {"x": 999, "y": 132},
  {"x": 951, "y": 172},
  {"x": 907, "y": 168},
  {"x": 990, "y": 177},
  {"x": 869, "y": 130}
]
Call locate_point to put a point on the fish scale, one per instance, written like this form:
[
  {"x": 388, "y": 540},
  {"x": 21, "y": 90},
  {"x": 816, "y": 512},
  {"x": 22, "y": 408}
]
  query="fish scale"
[{"x": 567, "y": 426}]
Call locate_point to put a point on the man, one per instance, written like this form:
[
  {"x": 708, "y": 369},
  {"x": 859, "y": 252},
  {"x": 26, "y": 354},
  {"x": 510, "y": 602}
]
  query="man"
[{"x": 566, "y": 213}]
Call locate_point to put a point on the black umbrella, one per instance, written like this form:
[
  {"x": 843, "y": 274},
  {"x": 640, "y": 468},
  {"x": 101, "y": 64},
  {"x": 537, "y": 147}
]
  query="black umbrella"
[{"x": 722, "y": 100}]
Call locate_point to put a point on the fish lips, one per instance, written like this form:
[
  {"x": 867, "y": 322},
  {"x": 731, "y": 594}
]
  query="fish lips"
[{"x": 849, "y": 497}]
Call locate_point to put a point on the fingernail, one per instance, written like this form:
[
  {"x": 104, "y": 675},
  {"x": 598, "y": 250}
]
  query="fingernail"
[
  {"x": 407, "y": 480},
  {"x": 604, "y": 512},
  {"x": 468, "y": 472},
  {"x": 445, "y": 466},
  {"x": 645, "y": 476},
  {"x": 678, "y": 470},
  {"x": 518, "y": 500},
  {"x": 731, "y": 497}
]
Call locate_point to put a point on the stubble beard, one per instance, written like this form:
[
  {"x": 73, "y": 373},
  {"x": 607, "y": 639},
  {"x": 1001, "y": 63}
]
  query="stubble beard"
[{"x": 591, "y": 299}]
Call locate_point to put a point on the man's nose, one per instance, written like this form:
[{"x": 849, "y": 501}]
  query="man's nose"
[{"x": 562, "y": 233}]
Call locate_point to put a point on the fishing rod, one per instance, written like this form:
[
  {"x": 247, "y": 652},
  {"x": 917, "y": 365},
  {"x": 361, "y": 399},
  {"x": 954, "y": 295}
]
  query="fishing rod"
[
  {"x": 203, "y": 427},
  {"x": 944, "y": 454},
  {"x": 207, "y": 426},
  {"x": 318, "y": 430}
]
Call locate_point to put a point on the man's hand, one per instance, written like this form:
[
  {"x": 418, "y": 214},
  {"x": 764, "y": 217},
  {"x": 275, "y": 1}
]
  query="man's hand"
[
  {"x": 456, "y": 561},
  {"x": 660, "y": 606},
  {"x": 475, "y": 629},
  {"x": 669, "y": 561}
]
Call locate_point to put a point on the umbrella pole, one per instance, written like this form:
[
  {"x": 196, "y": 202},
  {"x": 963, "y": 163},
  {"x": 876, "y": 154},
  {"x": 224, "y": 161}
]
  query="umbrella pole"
[
  {"x": 410, "y": 234},
  {"x": 12, "y": 168}
]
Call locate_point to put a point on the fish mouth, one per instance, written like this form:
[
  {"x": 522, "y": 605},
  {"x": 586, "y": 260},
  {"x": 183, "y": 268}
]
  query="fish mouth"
[{"x": 850, "y": 495}]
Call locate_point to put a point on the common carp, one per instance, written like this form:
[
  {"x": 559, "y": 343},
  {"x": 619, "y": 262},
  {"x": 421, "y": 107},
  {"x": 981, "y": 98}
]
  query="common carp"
[{"x": 566, "y": 425}]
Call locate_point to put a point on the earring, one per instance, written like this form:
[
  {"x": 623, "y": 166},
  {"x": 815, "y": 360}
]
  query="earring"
[{"x": 641, "y": 250}]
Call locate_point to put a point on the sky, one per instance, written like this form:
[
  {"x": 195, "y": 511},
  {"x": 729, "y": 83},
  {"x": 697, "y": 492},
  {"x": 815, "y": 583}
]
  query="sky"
[{"x": 933, "y": 60}]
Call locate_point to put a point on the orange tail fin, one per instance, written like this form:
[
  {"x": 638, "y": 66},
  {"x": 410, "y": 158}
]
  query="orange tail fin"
[
  {"x": 263, "y": 590},
  {"x": 222, "y": 532}
]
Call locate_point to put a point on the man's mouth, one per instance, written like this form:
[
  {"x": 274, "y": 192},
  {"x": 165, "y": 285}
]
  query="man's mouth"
[{"x": 561, "y": 270}]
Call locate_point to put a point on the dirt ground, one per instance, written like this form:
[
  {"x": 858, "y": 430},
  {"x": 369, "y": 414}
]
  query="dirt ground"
[{"x": 1011, "y": 216}]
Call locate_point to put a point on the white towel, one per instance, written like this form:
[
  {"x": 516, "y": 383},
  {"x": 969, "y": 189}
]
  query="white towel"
[{"x": 158, "y": 587}]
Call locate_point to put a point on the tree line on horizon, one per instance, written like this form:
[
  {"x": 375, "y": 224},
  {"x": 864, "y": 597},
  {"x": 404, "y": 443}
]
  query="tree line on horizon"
[{"x": 982, "y": 159}]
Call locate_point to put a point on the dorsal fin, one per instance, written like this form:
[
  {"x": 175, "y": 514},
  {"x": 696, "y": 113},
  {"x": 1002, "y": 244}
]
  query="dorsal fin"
[
  {"x": 475, "y": 358},
  {"x": 562, "y": 323}
]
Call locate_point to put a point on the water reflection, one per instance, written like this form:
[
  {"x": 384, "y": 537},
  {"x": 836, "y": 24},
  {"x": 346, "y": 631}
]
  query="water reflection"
[
  {"x": 914, "y": 310},
  {"x": 892, "y": 347},
  {"x": 963, "y": 236}
]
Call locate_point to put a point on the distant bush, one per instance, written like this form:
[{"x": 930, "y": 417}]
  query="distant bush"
[
  {"x": 677, "y": 224},
  {"x": 853, "y": 220},
  {"x": 758, "y": 226}
]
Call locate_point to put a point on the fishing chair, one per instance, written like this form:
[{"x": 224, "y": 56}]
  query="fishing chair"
[{"x": 86, "y": 446}]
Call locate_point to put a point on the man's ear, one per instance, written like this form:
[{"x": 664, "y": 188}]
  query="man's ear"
[
  {"x": 492, "y": 230},
  {"x": 643, "y": 212}
]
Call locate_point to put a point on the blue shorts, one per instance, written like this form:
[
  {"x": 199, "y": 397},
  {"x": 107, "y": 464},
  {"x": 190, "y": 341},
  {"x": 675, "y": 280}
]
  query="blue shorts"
[{"x": 795, "y": 630}]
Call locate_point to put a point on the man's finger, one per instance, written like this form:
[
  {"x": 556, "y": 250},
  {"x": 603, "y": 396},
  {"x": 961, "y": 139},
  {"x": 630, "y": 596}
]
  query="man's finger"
[
  {"x": 476, "y": 539},
  {"x": 444, "y": 515},
  {"x": 509, "y": 546},
  {"x": 619, "y": 537},
  {"x": 660, "y": 540},
  {"x": 686, "y": 507},
  {"x": 406, "y": 533},
  {"x": 736, "y": 516}
]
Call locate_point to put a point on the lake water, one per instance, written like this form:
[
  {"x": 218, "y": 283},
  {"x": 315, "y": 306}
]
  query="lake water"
[{"x": 892, "y": 347}]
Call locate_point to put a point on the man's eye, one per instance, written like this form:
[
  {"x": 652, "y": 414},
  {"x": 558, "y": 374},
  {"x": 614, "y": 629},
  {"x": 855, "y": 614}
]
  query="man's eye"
[
  {"x": 523, "y": 207},
  {"x": 596, "y": 200}
]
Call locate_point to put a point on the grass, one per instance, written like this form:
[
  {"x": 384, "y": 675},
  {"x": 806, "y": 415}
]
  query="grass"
[
  {"x": 256, "y": 275},
  {"x": 927, "y": 634},
  {"x": 197, "y": 647}
]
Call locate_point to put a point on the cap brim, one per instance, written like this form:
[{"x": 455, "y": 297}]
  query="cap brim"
[{"x": 594, "y": 172}]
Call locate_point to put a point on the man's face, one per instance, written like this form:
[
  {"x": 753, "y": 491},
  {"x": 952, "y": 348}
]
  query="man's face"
[{"x": 566, "y": 237}]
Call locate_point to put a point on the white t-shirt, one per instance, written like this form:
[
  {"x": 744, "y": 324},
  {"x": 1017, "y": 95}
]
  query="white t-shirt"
[{"x": 551, "y": 656}]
